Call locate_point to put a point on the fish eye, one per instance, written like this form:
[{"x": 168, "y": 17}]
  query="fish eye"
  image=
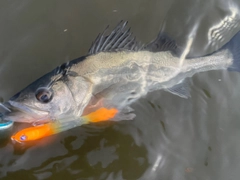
[{"x": 44, "y": 95}]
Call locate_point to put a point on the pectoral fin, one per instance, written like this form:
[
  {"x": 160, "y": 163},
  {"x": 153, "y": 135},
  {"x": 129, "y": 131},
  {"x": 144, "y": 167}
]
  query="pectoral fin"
[{"x": 125, "y": 114}]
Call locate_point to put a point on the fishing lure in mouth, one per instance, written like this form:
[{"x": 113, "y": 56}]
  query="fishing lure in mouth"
[{"x": 44, "y": 130}]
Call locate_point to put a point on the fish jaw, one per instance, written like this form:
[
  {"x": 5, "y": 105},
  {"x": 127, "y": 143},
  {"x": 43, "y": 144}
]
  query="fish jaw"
[{"x": 24, "y": 114}]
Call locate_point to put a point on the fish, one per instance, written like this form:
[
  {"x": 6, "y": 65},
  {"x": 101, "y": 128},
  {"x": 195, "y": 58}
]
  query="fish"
[
  {"x": 117, "y": 71},
  {"x": 43, "y": 130}
]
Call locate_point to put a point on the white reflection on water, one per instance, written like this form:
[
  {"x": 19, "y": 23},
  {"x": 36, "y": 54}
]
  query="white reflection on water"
[
  {"x": 157, "y": 163},
  {"x": 226, "y": 26}
]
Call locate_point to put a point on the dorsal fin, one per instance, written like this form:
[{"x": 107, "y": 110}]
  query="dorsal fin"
[
  {"x": 163, "y": 43},
  {"x": 119, "y": 39}
]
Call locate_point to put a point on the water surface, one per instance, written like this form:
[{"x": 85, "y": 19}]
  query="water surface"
[{"x": 171, "y": 138}]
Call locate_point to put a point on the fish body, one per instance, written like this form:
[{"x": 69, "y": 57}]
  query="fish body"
[{"x": 116, "y": 72}]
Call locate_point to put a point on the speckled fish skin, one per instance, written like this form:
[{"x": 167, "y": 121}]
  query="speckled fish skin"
[{"x": 110, "y": 77}]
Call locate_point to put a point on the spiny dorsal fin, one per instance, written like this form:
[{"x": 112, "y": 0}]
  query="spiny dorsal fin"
[
  {"x": 163, "y": 43},
  {"x": 119, "y": 39}
]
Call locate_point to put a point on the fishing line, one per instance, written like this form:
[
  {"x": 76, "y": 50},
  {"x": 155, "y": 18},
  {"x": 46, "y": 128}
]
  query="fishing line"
[{"x": 2, "y": 105}]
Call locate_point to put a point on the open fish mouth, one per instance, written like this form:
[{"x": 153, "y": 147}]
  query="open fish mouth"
[{"x": 17, "y": 112}]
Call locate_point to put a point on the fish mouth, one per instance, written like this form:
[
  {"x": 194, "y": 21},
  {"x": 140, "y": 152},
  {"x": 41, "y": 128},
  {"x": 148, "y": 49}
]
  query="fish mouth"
[{"x": 18, "y": 112}]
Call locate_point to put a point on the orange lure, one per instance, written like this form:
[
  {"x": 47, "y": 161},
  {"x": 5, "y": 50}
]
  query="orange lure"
[
  {"x": 41, "y": 131},
  {"x": 102, "y": 114},
  {"x": 34, "y": 133}
]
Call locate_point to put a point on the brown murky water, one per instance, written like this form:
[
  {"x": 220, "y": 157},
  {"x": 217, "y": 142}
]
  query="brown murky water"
[{"x": 171, "y": 138}]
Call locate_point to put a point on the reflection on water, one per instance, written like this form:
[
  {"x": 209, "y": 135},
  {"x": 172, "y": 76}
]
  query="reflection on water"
[{"x": 171, "y": 137}]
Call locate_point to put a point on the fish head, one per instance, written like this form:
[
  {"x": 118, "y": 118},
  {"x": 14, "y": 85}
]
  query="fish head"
[{"x": 53, "y": 96}]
